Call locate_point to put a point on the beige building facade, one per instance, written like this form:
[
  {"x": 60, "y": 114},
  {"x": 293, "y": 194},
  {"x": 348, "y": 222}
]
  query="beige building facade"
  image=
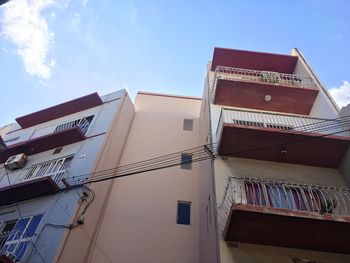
[{"x": 137, "y": 217}]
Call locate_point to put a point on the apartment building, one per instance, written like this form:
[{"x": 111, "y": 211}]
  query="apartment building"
[
  {"x": 280, "y": 181},
  {"x": 42, "y": 157},
  {"x": 270, "y": 185}
]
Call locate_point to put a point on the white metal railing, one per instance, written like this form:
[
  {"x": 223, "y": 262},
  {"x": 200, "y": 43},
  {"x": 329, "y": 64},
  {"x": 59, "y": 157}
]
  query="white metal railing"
[
  {"x": 266, "y": 77},
  {"x": 283, "y": 195},
  {"x": 83, "y": 123},
  {"x": 56, "y": 169},
  {"x": 16, "y": 245},
  {"x": 338, "y": 127}
]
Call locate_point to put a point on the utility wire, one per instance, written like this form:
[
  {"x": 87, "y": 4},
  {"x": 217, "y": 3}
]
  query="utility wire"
[
  {"x": 199, "y": 153},
  {"x": 166, "y": 159},
  {"x": 200, "y": 157}
]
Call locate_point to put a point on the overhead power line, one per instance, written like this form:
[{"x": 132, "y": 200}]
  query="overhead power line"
[{"x": 200, "y": 153}]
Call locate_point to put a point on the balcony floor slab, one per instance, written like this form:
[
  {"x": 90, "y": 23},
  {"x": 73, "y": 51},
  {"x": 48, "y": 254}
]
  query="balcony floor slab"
[
  {"x": 246, "y": 94},
  {"x": 288, "y": 228},
  {"x": 44, "y": 143},
  {"x": 282, "y": 146},
  {"x": 27, "y": 190}
]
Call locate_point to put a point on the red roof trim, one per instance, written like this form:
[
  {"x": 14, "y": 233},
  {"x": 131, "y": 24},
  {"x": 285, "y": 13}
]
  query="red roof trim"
[
  {"x": 253, "y": 60},
  {"x": 60, "y": 110}
]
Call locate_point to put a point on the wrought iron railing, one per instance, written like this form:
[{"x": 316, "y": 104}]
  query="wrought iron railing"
[
  {"x": 303, "y": 124},
  {"x": 83, "y": 123},
  {"x": 16, "y": 245},
  {"x": 283, "y": 195},
  {"x": 56, "y": 169},
  {"x": 265, "y": 77}
]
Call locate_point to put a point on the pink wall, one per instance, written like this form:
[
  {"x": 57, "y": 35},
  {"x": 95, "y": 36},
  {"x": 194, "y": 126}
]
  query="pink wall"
[{"x": 139, "y": 224}]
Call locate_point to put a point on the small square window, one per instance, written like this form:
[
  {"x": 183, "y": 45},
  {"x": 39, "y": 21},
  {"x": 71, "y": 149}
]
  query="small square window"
[
  {"x": 183, "y": 213},
  {"x": 188, "y": 125},
  {"x": 186, "y": 161}
]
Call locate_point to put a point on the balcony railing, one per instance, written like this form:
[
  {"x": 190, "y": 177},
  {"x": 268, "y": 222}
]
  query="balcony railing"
[
  {"x": 15, "y": 245},
  {"x": 83, "y": 123},
  {"x": 265, "y": 77},
  {"x": 285, "y": 122},
  {"x": 283, "y": 195},
  {"x": 56, "y": 169}
]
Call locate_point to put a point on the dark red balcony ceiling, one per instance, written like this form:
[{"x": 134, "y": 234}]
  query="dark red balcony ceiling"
[
  {"x": 287, "y": 228},
  {"x": 60, "y": 110},
  {"x": 253, "y": 60},
  {"x": 282, "y": 146},
  {"x": 44, "y": 143},
  {"x": 252, "y": 95},
  {"x": 27, "y": 190}
]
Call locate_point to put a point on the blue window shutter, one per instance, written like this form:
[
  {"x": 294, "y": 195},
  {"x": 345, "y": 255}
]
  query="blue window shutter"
[
  {"x": 33, "y": 225},
  {"x": 183, "y": 213}
]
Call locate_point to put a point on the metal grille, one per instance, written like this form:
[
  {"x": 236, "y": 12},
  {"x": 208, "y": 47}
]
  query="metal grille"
[
  {"x": 56, "y": 169},
  {"x": 83, "y": 123},
  {"x": 283, "y": 195},
  {"x": 267, "y": 77},
  {"x": 282, "y": 122}
]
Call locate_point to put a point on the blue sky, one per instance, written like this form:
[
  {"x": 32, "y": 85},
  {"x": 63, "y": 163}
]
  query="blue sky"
[{"x": 56, "y": 50}]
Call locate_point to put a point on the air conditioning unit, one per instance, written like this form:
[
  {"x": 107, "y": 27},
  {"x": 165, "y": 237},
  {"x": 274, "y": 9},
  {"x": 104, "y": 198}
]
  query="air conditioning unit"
[{"x": 16, "y": 162}]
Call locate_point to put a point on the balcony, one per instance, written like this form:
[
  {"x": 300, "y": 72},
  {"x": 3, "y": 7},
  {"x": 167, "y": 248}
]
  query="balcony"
[
  {"x": 286, "y": 214},
  {"x": 38, "y": 180},
  {"x": 47, "y": 138},
  {"x": 283, "y": 138},
  {"x": 264, "y": 90}
]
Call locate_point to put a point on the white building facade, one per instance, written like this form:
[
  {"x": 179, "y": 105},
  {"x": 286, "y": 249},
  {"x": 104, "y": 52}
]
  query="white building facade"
[{"x": 61, "y": 145}]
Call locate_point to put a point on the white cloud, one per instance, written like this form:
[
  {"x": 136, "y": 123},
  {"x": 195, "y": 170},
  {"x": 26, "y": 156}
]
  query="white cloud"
[
  {"x": 74, "y": 23},
  {"x": 25, "y": 26},
  {"x": 85, "y": 2},
  {"x": 341, "y": 94}
]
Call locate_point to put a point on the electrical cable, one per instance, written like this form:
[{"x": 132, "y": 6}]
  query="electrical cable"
[
  {"x": 156, "y": 166},
  {"x": 198, "y": 154}
]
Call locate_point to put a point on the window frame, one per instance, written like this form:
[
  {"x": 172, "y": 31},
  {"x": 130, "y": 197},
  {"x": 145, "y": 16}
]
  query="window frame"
[
  {"x": 183, "y": 220},
  {"x": 186, "y": 161}
]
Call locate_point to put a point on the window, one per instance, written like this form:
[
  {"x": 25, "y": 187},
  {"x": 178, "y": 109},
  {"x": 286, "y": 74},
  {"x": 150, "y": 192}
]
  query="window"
[
  {"x": 183, "y": 212},
  {"x": 16, "y": 236},
  {"x": 186, "y": 161},
  {"x": 188, "y": 125}
]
